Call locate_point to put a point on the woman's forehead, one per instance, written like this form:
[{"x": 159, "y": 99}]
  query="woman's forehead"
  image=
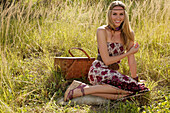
[{"x": 118, "y": 8}]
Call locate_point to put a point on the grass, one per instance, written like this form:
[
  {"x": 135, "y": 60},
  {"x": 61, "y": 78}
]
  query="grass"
[{"x": 32, "y": 34}]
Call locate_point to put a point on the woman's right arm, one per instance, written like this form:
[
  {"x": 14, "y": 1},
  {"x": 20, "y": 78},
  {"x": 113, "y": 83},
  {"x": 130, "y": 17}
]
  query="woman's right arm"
[{"x": 102, "y": 44}]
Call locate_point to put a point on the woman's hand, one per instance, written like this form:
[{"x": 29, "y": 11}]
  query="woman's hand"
[{"x": 134, "y": 49}]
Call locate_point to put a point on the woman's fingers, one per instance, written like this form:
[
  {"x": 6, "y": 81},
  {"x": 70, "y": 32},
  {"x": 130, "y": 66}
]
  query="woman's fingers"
[
  {"x": 136, "y": 45},
  {"x": 134, "y": 49}
]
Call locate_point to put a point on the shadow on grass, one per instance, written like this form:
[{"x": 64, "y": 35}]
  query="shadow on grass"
[{"x": 132, "y": 105}]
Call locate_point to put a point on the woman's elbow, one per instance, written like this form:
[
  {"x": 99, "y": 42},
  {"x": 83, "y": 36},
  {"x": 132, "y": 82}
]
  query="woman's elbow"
[{"x": 106, "y": 62}]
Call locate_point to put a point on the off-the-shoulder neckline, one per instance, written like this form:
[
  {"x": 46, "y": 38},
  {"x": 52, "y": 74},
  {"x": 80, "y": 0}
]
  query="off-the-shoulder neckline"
[{"x": 115, "y": 43}]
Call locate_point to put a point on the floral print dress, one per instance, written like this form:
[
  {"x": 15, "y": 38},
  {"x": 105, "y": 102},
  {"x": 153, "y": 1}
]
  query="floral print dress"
[{"x": 99, "y": 73}]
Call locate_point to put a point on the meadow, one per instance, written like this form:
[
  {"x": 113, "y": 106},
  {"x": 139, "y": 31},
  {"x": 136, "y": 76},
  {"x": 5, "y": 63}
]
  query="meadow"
[{"x": 33, "y": 32}]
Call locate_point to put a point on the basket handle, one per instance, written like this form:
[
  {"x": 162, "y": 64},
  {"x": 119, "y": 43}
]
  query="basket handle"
[{"x": 78, "y": 49}]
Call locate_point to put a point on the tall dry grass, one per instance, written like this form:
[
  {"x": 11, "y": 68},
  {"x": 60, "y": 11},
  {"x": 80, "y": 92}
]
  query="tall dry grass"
[{"x": 32, "y": 33}]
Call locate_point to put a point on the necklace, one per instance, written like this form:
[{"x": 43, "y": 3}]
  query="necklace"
[{"x": 116, "y": 29}]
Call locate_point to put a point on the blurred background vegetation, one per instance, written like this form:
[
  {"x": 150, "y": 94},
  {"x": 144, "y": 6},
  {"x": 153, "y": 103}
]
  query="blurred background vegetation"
[{"x": 33, "y": 32}]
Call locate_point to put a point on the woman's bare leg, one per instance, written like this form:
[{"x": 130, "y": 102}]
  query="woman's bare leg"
[
  {"x": 111, "y": 96},
  {"x": 101, "y": 90},
  {"x": 104, "y": 89}
]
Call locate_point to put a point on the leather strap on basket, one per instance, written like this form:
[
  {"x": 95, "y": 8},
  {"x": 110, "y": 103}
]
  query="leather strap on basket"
[{"x": 78, "y": 49}]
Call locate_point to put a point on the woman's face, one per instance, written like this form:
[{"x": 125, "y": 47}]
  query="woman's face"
[{"x": 117, "y": 15}]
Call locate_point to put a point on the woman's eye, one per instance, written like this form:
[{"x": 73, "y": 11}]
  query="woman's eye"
[
  {"x": 114, "y": 14},
  {"x": 121, "y": 13}
]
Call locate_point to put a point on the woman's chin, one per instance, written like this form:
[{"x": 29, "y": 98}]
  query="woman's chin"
[{"x": 117, "y": 25}]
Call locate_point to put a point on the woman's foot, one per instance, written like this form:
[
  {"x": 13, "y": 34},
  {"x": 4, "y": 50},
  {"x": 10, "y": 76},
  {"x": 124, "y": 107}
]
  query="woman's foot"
[
  {"x": 143, "y": 89},
  {"x": 70, "y": 91},
  {"x": 138, "y": 80}
]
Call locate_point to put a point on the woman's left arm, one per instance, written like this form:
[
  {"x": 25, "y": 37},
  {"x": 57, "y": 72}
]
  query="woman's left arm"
[
  {"x": 131, "y": 60},
  {"x": 132, "y": 65}
]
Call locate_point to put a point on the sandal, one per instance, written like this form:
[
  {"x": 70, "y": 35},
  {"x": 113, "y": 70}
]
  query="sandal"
[{"x": 74, "y": 85}]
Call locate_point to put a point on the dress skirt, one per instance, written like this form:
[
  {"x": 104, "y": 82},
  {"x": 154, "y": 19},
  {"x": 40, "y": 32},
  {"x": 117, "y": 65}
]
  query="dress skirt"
[{"x": 101, "y": 74}]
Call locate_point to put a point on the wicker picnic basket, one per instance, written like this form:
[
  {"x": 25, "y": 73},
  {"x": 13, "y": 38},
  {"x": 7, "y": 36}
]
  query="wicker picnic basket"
[{"x": 73, "y": 67}]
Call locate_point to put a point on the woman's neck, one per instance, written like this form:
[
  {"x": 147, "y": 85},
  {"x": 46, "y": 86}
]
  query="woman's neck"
[{"x": 116, "y": 29}]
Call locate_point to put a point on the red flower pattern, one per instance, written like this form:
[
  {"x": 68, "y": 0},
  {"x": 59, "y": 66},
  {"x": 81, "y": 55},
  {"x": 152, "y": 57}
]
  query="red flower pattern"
[
  {"x": 104, "y": 72},
  {"x": 98, "y": 65},
  {"x": 91, "y": 78},
  {"x": 112, "y": 45},
  {"x": 121, "y": 48},
  {"x": 99, "y": 78},
  {"x": 114, "y": 77},
  {"x": 115, "y": 51},
  {"x": 105, "y": 77},
  {"x": 112, "y": 71},
  {"x": 125, "y": 78}
]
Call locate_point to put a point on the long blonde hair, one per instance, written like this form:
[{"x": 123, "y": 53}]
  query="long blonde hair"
[{"x": 126, "y": 31}]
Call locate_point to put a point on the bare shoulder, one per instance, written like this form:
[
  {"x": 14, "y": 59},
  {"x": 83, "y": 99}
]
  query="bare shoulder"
[
  {"x": 101, "y": 34},
  {"x": 131, "y": 43},
  {"x": 133, "y": 38},
  {"x": 133, "y": 34},
  {"x": 101, "y": 29}
]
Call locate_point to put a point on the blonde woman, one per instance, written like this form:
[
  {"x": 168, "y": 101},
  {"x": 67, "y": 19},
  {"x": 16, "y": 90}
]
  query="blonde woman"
[{"x": 113, "y": 40}]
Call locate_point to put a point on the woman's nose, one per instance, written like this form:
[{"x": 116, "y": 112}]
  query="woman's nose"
[{"x": 118, "y": 17}]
